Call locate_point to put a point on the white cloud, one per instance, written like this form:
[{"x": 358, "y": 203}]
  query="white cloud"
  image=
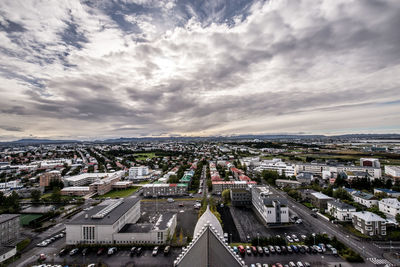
[{"x": 286, "y": 66}]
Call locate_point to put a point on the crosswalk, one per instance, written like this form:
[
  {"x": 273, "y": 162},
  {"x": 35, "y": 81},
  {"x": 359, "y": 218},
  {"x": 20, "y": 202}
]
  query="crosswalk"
[{"x": 380, "y": 261}]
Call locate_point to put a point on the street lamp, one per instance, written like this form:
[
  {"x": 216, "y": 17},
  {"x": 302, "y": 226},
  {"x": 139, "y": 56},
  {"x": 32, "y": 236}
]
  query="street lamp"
[
  {"x": 258, "y": 239},
  {"x": 313, "y": 234}
]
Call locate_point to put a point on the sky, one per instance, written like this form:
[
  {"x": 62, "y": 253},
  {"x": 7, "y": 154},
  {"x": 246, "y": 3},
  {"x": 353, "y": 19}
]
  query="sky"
[{"x": 97, "y": 69}]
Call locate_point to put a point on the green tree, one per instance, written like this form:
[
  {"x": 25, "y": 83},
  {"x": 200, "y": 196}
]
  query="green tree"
[
  {"x": 398, "y": 217},
  {"x": 270, "y": 176},
  {"x": 35, "y": 195},
  {"x": 342, "y": 194},
  {"x": 226, "y": 195},
  {"x": 56, "y": 195}
]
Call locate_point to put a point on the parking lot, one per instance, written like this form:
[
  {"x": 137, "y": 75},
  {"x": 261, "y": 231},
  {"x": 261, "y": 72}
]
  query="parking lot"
[{"x": 246, "y": 219}]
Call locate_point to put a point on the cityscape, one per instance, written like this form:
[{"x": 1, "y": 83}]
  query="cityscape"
[{"x": 207, "y": 133}]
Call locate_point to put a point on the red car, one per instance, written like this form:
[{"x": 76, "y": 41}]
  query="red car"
[
  {"x": 278, "y": 264},
  {"x": 101, "y": 251},
  {"x": 254, "y": 250},
  {"x": 242, "y": 251}
]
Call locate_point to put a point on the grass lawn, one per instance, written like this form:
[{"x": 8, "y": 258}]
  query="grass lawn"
[
  {"x": 144, "y": 156},
  {"x": 25, "y": 219},
  {"x": 46, "y": 195},
  {"x": 120, "y": 193}
]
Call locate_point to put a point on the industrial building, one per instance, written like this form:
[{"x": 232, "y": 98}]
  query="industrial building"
[{"x": 271, "y": 208}]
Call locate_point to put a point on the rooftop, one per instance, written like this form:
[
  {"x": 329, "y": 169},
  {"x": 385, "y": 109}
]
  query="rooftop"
[
  {"x": 320, "y": 195},
  {"x": 7, "y": 217},
  {"x": 341, "y": 205},
  {"x": 368, "y": 216},
  {"x": 110, "y": 218}
]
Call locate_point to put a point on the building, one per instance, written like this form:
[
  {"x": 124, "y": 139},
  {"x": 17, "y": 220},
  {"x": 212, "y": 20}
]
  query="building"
[
  {"x": 370, "y": 162},
  {"x": 271, "y": 208},
  {"x": 365, "y": 199},
  {"x": 75, "y": 191},
  {"x": 98, "y": 183},
  {"x": 369, "y": 223},
  {"x": 287, "y": 183},
  {"x": 9, "y": 234},
  {"x": 152, "y": 190},
  {"x": 219, "y": 186},
  {"x": 46, "y": 178},
  {"x": 138, "y": 172},
  {"x": 305, "y": 178},
  {"x": 388, "y": 192},
  {"x": 320, "y": 168},
  {"x": 208, "y": 247},
  {"x": 306, "y": 194},
  {"x": 9, "y": 228},
  {"x": 319, "y": 200},
  {"x": 340, "y": 210},
  {"x": 115, "y": 222},
  {"x": 277, "y": 165},
  {"x": 389, "y": 206},
  {"x": 393, "y": 171},
  {"x": 240, "y": 197}
]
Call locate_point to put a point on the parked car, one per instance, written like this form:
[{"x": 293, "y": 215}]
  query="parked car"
[
  {"x": 241, "y": 250},
  {"x": 235, "y": 249},
  {"x": 283, "y": 249},
  {"x": 307, "y": 264},
  {"x": 292, "y": 264},
  {"x": 289, "y": 249},
  {"x": 301, "y": 249},
  {"x": 100, "y": 251},
  {"x": 271, "y": 249},
  {"x": 295, "y": 238},
  {"x": 278, "y": 249},
  {"x": 85, "y": 251},
  {"x": 260, "y": 250},
  {"x": 314, "y": 215},
  {"x": 254, "y": 250},
  {"x": 167, "y": 249},
  {"x": 155, "y": 251},
  {"x": 266, "y": 251},
  {"x": 133, "y": 251},
  {"x": 139, "y": 251},
  {"x": 42, "y": 257},
  {"x": 74, "y": 251},
  {"x": 62, "y": 252},
  {"x": 248, "y": 250},
  {"x": 111, "y": 251},
  {"x": 303, "y": 237},
  {"x": 294, "y": 248},
  {"x": 299, "y": 264},
  {"x": 289, "y": 239},
  {"x": 334, "y": 251}
]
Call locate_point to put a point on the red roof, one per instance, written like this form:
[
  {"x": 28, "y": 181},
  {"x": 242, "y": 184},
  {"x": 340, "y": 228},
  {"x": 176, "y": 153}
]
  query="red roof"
[
  {"x": 244, "y": 178},
  {"x": 173, "y": 185}
]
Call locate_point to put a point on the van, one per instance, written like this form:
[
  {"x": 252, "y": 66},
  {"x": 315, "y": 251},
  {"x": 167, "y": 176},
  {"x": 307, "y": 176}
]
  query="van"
[{"x": 170, "y": 200}]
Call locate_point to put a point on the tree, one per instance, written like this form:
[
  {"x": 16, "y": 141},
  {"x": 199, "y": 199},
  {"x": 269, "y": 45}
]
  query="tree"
[
  {"x": 56, "y": 195},
  {"x": 381, "y": 195},
  {"x": 270, "y": 176},
  {"x": 173, "y": 179},
  {"x": 398, "y": 217},
  {"x": 342, "y": 194},
  {"x": 35, "y": 195},
  {"x": 389, "y": 183},
  {"x": 226, "y": 195}
]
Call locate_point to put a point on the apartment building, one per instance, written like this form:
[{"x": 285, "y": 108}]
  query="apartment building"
[
  {"x": 138, "y": 172},
  {"x": 46, "y": 178},
  {"x": 320, "y": 168},
  {"x": 320, "y": 200},
  {"x": 161, "y": 189},
  {"x": 9, "y": 228},
  {"x": 240, "y": 197},
  {"x": 365, "y": 199},
  {"x": 287, "y": 183},
  {"x": 389, "y": 206},
  {"x": 393, "y": 171},
  {"x": 340, "y": 210},
  {"x": 219, "y": 186},
  {"x": 277, "y": 165},
  {"x": 369, "y": 223}
]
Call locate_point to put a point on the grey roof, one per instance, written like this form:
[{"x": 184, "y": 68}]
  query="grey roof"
[
  {"x": 110, "y": 218},
  {"x": 5, "y": 249},
  {"x": 208, "y": 217},
  {"x": 162, "y": 224},
  {"x": 7, "y": 217},
  {"x": 341, "y": 205}
]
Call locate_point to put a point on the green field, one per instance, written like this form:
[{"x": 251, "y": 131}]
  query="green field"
[
  {"x": 120, "y": 193},
  {"x": 27, "y": 218},
  {"x": 144, "y": 156}
]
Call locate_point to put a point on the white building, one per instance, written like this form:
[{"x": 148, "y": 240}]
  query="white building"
[
  {"x": 219, "y": 186},
  {"x": 341, "y": 211},
  {"x": 319, "y": 168},
  {"x": 365, "y": 199},
  {"x": 393, "y": 171},
  {"x": 138, "y": 172},
  {"x": 114, "y": 222},
  {"x": 369, "y": 223},
  {"x": 277, "y": 165},
  {"x": 271, "y": 208},
  {"x": 371, "y": 162},
  {"x": 390, "y": 206}
]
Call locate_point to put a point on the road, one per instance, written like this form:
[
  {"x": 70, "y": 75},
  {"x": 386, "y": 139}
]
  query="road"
[{"x": 366, "y": 249}]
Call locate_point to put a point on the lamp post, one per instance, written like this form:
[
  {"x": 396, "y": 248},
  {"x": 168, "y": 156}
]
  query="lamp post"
[
  {"x": 258, "y": 239},
  {"x": 313, "y": 234}
]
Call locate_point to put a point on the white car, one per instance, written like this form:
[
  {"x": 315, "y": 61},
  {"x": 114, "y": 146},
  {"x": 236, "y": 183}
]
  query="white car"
[{"x": 295, "y": 238}]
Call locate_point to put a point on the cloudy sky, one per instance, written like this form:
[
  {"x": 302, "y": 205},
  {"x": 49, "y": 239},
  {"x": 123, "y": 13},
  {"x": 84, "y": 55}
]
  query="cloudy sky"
[{"x": 99, "y": 69}]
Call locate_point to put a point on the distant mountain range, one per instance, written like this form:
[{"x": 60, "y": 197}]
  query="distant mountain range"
[{"x": 33, "y": 141}]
